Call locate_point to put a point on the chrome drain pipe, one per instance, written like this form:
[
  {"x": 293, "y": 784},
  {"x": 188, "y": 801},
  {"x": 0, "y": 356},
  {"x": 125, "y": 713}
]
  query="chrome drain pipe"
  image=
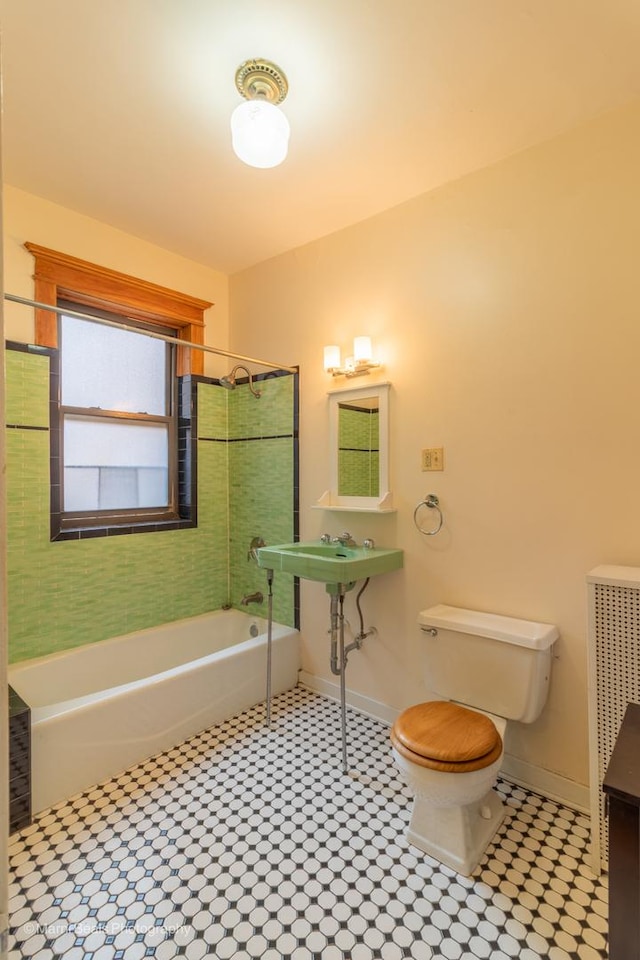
[
  {"x": 269, "y": 642},
  {"x": 339, "y": 657}
]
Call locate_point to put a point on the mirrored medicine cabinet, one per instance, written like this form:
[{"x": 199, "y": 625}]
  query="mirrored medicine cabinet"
[{"x": 359, "y": 450}]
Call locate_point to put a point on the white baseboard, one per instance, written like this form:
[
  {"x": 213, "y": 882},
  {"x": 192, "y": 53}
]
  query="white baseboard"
[
  {"x": 371, "y": 708},
  {"x": 551, "y": 785}
]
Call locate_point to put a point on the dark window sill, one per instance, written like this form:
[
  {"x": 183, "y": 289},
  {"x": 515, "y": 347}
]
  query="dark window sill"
[{"x": 88, "y": 533}]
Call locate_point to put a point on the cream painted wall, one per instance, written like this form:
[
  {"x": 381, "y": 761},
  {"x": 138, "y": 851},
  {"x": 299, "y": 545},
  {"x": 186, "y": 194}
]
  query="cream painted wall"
[
  {"x": 27, "y": 217},
  {"x": 507, "y": 308}
]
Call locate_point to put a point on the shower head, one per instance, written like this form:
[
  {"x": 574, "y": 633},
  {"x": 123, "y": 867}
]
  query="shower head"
[{"x": 229, "y": 382}]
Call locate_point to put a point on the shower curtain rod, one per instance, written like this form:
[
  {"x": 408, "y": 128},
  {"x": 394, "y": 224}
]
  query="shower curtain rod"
[{"x": 149, "y": 333}]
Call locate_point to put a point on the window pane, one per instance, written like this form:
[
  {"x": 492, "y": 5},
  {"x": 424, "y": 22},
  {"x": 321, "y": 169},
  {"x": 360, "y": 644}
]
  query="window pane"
[
  {"x": 111, "y": 369},
  {"x": 114, "y": 465}
]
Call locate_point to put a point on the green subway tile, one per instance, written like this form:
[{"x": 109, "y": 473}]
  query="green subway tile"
[
  {"x": 212, "y": 411},
  {"x": 70, "y": 593},
  {"x": 27, "y": 389},
  {"x": 270, "y": 415}
]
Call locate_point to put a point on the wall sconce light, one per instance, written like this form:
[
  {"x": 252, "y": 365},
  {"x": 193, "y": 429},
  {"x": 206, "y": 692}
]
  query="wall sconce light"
[
  {"x": 360, "y": 364},
  {"x": 259, "y": 129}
]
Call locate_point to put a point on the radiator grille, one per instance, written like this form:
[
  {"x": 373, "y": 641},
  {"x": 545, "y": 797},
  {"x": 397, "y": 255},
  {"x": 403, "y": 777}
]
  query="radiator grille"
[{"x": 615, "y": 668}]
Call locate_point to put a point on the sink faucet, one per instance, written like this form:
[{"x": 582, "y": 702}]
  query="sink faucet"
[
  {"x": 345, "y": 539},
  {"x": 255, "y": 544},
  {"x": 248, "y": 598}
]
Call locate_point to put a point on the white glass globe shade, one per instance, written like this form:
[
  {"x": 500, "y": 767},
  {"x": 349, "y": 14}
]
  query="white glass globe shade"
[
  {"x": 259, "y": 133},
  {"x": 362, "y": 349},
  {"x": 332, "y": 357}
]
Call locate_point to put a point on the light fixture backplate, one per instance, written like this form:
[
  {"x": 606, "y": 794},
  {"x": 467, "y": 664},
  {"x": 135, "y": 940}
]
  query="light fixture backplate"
[{"x": 261, "y": 79}]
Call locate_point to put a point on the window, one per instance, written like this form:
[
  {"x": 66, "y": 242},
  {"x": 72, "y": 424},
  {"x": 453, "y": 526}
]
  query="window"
[
  {"x": 120, "y": 460},
  {"x": 117, "y": 423}
]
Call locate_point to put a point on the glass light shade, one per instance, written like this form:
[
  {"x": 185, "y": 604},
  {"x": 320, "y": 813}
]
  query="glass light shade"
[
  {"x": 259, "y": 133},
  {"x": 332, "y": 358},
  {"x": 362, "y": 349}
]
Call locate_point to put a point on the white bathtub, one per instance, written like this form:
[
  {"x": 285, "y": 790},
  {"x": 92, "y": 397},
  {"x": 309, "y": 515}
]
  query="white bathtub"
[{"x": 101, "y": 708}]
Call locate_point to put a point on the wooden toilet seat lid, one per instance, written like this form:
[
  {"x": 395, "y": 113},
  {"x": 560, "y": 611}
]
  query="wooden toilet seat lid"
[{"x": 446, "y": 736}]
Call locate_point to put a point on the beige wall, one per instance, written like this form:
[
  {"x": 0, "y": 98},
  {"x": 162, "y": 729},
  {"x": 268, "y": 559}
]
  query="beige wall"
[
  {"x": 31, "y": 218},
  {"x": 507, "y": 308}
]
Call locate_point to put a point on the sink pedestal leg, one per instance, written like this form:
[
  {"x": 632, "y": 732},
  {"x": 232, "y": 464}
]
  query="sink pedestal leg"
[
  {"x": 339, "y": 661},
  {"x": 269, "y": 635},
  {"x": 343, "y": 691}
]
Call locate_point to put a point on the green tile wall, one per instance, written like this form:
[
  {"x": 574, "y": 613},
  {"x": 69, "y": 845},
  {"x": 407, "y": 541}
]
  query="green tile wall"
[
  {"x": 69, "y": 593},
  {"x": 27, "y": 392},
  {"x": 261, "y": 491}
]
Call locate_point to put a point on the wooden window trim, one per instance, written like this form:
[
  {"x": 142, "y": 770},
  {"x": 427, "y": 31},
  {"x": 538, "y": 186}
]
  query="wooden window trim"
[{"x": 58, "y": 276}]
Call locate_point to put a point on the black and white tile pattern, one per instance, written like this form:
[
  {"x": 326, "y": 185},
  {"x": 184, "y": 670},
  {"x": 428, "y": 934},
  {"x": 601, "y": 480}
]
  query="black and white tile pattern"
[{"x": 246, "y": 842}]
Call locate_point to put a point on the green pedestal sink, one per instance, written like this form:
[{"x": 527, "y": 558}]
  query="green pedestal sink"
[
  {"x": 329, "y": 562},
  {"x": 338, "y": 567}
]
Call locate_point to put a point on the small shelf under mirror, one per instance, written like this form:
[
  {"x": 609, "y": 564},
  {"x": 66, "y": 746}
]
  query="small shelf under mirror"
[{"x": 384, "y": 505}]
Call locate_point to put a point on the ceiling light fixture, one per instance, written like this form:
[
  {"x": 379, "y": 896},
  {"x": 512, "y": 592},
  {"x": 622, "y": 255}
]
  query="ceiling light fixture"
[{"x": 259, "y": 129}]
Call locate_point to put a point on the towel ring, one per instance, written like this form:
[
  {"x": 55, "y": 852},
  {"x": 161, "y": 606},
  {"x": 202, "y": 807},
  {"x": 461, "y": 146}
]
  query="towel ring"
[{"x": 433, "y": 503}]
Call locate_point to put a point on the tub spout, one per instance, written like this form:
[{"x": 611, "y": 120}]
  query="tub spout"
[{"x": 248, "y": 598}]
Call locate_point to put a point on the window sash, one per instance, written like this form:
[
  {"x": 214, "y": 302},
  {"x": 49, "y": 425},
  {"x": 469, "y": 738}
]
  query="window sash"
[
  {"x": 77, "y": 519},
  {"x": 96, "y": 447},
  {"x": 107, "y": 368}
]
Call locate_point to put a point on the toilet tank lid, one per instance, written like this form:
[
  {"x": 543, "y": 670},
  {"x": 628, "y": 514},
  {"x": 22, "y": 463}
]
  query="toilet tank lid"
[{"x": 524, "y": 633}]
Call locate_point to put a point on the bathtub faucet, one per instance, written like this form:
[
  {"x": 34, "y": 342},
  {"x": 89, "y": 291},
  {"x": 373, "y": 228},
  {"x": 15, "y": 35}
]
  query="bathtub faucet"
[{"x": 248, "y": 598}]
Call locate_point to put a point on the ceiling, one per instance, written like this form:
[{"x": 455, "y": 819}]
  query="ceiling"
[{"x": 120, "y": 110}]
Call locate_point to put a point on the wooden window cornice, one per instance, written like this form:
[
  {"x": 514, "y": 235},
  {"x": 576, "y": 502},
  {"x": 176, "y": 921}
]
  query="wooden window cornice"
[{"x": 60, "y": 276}]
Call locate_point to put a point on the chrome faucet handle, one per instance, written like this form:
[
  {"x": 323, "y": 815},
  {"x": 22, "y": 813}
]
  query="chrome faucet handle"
[
  {"x": 368, "y": 544},
  {"x": 325, "y": 538},
  {"x": 253, "y": 546}
]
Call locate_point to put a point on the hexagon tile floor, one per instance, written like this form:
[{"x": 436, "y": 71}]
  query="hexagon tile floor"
[{"x": 246, "y": 842}]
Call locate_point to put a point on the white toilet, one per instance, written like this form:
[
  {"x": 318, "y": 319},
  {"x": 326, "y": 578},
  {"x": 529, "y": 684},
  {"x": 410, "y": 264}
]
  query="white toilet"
[{"x": 488, "y": 669}]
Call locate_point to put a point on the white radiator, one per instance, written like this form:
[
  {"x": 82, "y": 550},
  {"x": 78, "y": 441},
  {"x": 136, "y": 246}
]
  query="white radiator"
[{"x": 614, "y": 679}]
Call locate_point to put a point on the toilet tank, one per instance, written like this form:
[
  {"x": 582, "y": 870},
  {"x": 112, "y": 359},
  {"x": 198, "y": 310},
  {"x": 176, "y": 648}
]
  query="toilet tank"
[{"x": 494, "y": 663}]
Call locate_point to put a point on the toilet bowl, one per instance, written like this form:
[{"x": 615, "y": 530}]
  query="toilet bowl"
[
  {"x": 490, "y": 669},
  {"x": 455, "y": 811}
]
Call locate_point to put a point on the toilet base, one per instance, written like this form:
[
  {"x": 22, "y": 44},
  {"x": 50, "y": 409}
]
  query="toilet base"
[{"x": 456, "y": 836}]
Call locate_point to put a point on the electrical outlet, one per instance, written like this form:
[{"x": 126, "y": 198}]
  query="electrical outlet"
[{"x": 433, "y": 458}]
